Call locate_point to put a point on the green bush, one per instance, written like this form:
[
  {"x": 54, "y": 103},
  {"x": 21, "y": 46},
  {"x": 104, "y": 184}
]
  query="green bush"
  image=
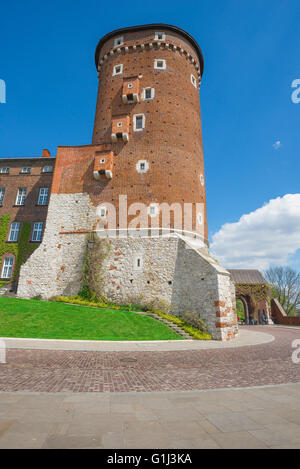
[
  {"x": 193, "y": 320},
  {"x": 196, "y": 333},
  {"x": 78, "y": 300},
  {"x": 37, "y": 297}
]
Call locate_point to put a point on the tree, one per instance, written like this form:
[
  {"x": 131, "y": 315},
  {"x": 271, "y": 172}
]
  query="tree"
[{"x": 285, "y": 283}]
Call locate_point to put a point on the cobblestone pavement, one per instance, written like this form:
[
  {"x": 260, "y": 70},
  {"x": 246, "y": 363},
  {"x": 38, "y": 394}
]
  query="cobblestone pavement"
[{"x": 77, "y": 371}]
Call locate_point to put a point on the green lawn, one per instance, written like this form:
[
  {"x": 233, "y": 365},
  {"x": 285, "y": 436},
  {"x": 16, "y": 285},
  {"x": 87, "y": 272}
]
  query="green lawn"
[{"x": 47, "y": 320}]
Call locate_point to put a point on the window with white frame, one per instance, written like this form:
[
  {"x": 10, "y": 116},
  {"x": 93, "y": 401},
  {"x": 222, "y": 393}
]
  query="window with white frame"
[
  {"x": 193, "y": 81},
  {"x": 118, "y": 70},
  {"x": 118, "y": 41},
  {"x": 26, "y": 170},
  {"x": 138, "y": 122},
  {"x": 4, "y": 170},
  {"x": 200, "y": 218},
  {"x": 47, "y": 169},
  {"x": 14, "y": 232},
  {"x": 160, "y": 36},
  {"x": 153, "y": 210},
  {"x": 103, "y": 212},
  {"x": 142, "y": 166},
  {"x": 160, "y": 64},
  {"x": 21, "y": 196},
  {"x": 138, "y": 262},
  {"x": 37, "y": 231},
  {"x": 7, "y": 267},
  {"x": 43, "y": 196},
  {"x": 148, "y": 93},
  {"x": 2, "y": 192},
  {"x": 202, "y": 179}
]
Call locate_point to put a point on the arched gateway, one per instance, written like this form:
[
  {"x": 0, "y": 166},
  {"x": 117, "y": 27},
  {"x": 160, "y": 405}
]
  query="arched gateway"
[{"x": 254, "y": 292}]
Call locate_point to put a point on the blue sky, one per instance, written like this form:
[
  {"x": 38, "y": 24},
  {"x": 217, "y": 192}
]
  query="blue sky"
[{"x": 251, "y": 51}]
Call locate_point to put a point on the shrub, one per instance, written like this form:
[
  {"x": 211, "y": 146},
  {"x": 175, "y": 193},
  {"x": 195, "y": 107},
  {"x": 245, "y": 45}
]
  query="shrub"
[
  {"x": 197, "y": 335},
  {"x": 87, "y": 294},
  {"x": 78, "y": 300},
  {"x": 37, "y": 297},
  {"x": 192, "y": 319},
  {"x": 159, "y": 305}
]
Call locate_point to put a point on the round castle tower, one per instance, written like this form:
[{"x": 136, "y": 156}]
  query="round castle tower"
[
  {"x": 148, "y": 123},
  {"x": 147, "y": 149}
]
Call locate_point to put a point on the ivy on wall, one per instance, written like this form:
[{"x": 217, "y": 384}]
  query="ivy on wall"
[
  {"x": 96, "y": 252},
  {"x": 21, "y": 250}
]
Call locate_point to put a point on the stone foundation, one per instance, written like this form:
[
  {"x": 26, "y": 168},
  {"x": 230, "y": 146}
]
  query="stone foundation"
[{"x": 170, "y": 268}]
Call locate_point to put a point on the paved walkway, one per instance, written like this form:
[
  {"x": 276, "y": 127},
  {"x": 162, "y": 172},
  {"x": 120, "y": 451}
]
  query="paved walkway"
[
  {"x": 240, "y": 418},
  {"x": 149, "y": 371},
  {"x": 246, "y": 337}
]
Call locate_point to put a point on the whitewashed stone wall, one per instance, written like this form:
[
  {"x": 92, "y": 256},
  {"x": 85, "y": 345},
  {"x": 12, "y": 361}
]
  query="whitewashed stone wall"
[
  {"x": 175, "y": 272},
  {"x": 55, "y": 267},
  {"x": 171, "y": 269}
]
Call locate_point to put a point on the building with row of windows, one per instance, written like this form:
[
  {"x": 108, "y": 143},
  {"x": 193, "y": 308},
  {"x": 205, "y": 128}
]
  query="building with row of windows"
[{"x": 25, "y": 185}]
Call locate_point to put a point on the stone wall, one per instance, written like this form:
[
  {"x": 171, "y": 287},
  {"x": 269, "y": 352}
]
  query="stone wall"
[
  {"x": 170, "y": 269},
  {"x": 55, "y": 267},
  {"x": 279, "y": 316}
]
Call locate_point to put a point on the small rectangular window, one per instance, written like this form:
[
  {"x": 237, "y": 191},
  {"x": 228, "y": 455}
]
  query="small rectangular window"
[
  {"x": 7, "y": 267},
  {"x": 148, "y": 93},
  {"x": 138, "y": 263},
  {"x": 118, "y": 69},
  {"x": 193, "y": 81},
  {"x": 102, "y": 212},
  {"x": 160, "y": 36},
  {"x": 47, "y": 169},
  {"x": 160, "y": 64},
  {"x": 118, "y": 41},
  {"x": 153, "y": 210},
  {"x": 138, "y": 122},
  {"x": 4, "y": 170},
  {"x": 43, "y": 196},
  {"x": 26, "y": 170},
  {"x": 14, "y": 232},
  {"x": 37, "y": 231},
  {"x": 21, "y": 196},
  {"x": 2, "y": 192}
]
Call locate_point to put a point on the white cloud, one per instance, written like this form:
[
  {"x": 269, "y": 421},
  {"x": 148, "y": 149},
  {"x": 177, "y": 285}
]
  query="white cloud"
[
  {"x": 269, "y": 235},
  {"x": 277, "y": 145}
]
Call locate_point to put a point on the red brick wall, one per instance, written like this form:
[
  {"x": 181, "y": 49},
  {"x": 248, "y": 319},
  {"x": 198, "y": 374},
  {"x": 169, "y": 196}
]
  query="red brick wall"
[
  {"x": 30, "y": 212},
  {"x": 279, "y": 316},
  {"x": 171, "y": 141}
]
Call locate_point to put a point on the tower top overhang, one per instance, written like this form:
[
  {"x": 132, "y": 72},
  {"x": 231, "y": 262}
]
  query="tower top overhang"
[{"x": 147, "y": 27}]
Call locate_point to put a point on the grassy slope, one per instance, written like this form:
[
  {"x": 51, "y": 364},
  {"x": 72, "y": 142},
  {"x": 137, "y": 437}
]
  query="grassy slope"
[{"x": 47, "y": 320}]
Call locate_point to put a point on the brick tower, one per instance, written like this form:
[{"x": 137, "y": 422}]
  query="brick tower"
[
  {"x": 149, "y": 123},
  {"x": 139, "y": 186}
]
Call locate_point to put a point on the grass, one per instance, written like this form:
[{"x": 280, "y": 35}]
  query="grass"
[{"x": 48, "y": 320}]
